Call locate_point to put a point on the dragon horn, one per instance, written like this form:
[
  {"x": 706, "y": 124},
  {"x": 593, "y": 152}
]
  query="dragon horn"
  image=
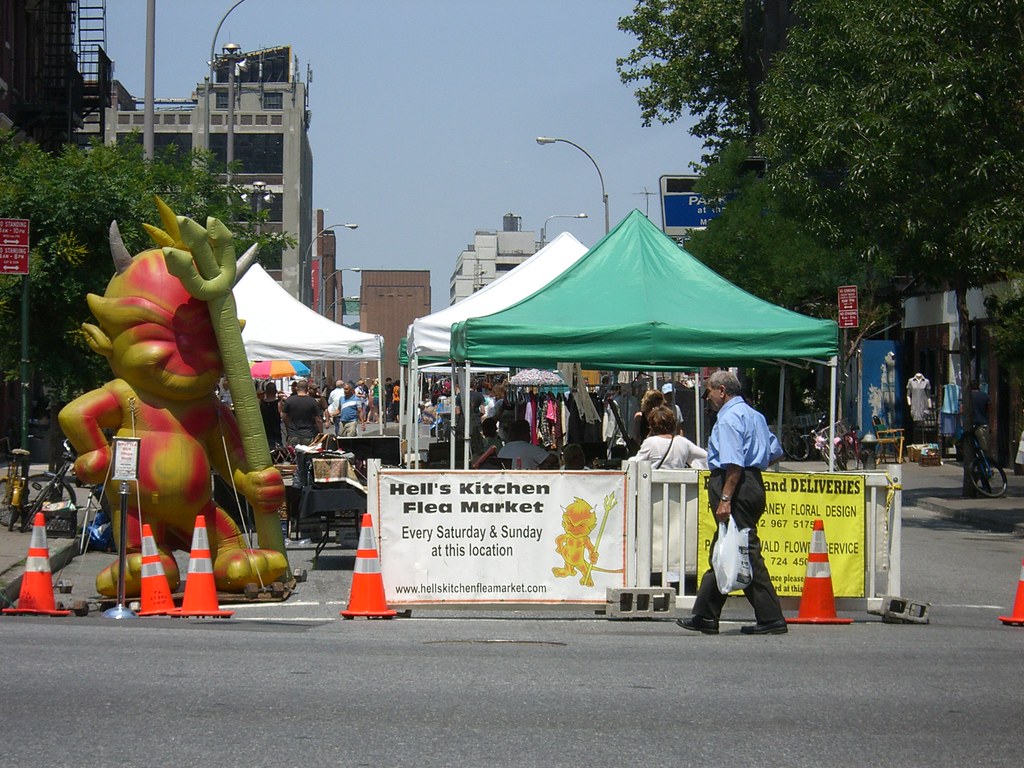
[
  {"x": 122, "y": 259},
  {"x": 245, "y": 261}
]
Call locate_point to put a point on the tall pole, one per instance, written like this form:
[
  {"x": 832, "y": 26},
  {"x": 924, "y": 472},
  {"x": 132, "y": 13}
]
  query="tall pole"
[
  {"x": 212, "y": 61},
  {"x": 231, "y": 117},
  {"x": 148, "y": 119},
  {"x": 25, "y": 317}
]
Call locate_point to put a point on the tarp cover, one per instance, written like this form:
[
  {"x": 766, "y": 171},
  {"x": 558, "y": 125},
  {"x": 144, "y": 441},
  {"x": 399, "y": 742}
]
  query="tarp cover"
[
  {"x": 637, "y": 300},
  {"x": 429, "y": 337},
  {"x": 279, "y": 327}
]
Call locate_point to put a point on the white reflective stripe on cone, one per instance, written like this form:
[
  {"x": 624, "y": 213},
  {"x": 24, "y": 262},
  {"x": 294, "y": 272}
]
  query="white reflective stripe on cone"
[
  {"x": 38, "y": 540},
  {"x": 153, "y": 569},
  {"x": 37, "y": 564},
  {"x": 818, "y": 570},
  {"x": 366, "y": 538},
  {"x": 818, "y": 544},
  {"x": 149, "y": 547},
  {"x": 201, "y": 564},
  {"x": 199, "y": 538},
  {"x": 367, "y": 565}
]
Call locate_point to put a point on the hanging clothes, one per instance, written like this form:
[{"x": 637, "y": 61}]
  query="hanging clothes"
[{"x": 949, "y": 414}]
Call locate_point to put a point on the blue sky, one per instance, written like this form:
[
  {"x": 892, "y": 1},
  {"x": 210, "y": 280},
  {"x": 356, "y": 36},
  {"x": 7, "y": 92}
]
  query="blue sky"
[{"x": 425, "y": 114}]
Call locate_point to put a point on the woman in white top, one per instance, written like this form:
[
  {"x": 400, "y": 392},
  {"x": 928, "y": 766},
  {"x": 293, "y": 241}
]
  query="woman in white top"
[{"x": 664, "y": 448}]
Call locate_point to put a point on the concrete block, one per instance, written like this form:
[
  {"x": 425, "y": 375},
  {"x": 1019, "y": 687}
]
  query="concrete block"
[{"x": 641, "y": 603}]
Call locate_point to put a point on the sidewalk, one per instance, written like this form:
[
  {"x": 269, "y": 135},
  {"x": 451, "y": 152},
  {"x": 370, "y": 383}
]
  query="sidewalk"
[{"x": 936, "y": 489}]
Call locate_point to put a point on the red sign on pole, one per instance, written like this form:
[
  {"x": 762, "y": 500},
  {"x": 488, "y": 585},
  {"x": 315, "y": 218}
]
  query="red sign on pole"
[
  {"x": 14, "y": 246},
  {"x": 849, "y": 311}
]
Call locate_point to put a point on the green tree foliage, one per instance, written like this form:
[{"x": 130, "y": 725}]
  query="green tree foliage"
[{"x": 71, "y": 198}]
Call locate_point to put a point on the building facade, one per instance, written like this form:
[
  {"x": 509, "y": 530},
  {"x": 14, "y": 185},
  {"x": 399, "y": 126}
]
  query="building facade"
[
  {"x": 489, "y": 256},
  {"x": 269, "y": 139},
  {"x": 389, "y": 301}
]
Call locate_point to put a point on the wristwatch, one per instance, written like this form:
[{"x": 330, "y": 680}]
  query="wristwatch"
[{"x": 726, "y": 498}]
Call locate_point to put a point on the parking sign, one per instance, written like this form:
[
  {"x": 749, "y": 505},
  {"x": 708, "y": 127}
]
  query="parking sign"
[{"x": 14, "y": 246}]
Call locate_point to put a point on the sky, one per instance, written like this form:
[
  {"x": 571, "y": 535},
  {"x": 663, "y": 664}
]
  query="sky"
[{"x": 425, "y": 113}]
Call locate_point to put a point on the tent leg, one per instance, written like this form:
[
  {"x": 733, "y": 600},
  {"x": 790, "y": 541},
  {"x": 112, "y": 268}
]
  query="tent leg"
[
  {"x": 465, "y": 416},
  {"x": 451, "y": 416},
  {"x": 833, "y": 365},
  {"x": 782, "y": 401}
]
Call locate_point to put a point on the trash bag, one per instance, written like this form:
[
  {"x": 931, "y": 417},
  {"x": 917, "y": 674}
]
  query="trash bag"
[
  {"x": 99, "y": 534},
  {"x": 731, "y": 558}
]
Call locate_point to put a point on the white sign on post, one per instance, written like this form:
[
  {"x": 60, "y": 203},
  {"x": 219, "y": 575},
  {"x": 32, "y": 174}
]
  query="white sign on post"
[
  {"x": 125, "y": 458},
  {"x": 509, "y": 537}
]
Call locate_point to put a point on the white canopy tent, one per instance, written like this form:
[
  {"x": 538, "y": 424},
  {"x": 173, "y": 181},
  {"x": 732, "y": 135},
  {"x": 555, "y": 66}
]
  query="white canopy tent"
[
  {"x": 429, "y": 337},
  {"x": 279, "y": 327}
]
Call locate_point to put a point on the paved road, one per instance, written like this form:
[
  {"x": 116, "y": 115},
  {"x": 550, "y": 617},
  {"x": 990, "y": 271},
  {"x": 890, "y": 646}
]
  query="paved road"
[{"x": 526, "y": 688}]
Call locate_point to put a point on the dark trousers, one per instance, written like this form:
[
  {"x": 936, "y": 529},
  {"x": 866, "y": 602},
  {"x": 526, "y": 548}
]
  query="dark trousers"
[{"x": 747, "y": 507}]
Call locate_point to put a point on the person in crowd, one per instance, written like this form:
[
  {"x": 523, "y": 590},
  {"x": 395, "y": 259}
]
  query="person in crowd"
[
  {"x": 979, "y": 405},
  {"x": 668, "y": 390},
  {"x": 489, "y": 430},
  {"x": 664, "y": 447},
  {"x": 303, "y": 416},
  {"x": 270, "y": 412},
  {"x": 350, "y": 414},
  {"x": 394, "y": 407},
  {"x": 371, "y": 405},
  {"x": 504, "y": 411},
  {"x": 740, "y": 448},
  {"x": 573, "y": 457},
  {"x": 334, "y": 400},
  {"x": 522, "y": 452},
  {"x": 640, "y": 428}
]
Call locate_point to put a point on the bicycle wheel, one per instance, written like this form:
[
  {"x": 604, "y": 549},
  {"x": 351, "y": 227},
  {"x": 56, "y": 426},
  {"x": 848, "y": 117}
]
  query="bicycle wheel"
[
  {"x": 794, "y": 445},
  {"x": 987, "y": 478},
  {"x": 842, "y": 456},
  {"x": 43, "y": 489},
  {"x": 5, "y": 506}
]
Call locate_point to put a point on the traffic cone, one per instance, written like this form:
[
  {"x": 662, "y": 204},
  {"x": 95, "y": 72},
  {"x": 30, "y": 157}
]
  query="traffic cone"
[
  {"x": 817, "y": 602},
  {"x": 200, "y": 589},
  {"x": 155, "y": 596},
  {"x": 36, "y": 597},
  {"x": 367, "y": 596},
  {"x": 1017, "y": 619}
]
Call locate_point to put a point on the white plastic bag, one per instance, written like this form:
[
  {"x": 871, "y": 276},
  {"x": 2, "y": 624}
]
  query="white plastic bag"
[{"x": 731, "y": 558}]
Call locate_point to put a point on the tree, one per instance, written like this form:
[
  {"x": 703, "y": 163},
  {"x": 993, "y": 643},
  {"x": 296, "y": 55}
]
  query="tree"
[
  {"x": 70, "y": 198},
  {"x": 897, "y": 130}
]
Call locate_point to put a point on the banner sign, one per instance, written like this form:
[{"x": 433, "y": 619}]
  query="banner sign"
[
  {"x": 794, "y": 502},
  {"x": 517, "y": 537},
  {"x": 849, "y": 306},
  {"x": 14, "y": 246}
]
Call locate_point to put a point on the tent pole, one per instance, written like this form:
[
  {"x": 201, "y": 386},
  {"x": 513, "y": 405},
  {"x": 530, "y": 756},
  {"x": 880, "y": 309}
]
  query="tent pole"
[
  {"x": 452, "y": 400},
  {"x": 833, "y": 365},
  {"x": 380, "y": 396},
  {"x": 698, "y": 412},
  {"x": 405, "y": 422},
  {"x": 465, "y": 416},
  {"x": 782, "y": 400}
]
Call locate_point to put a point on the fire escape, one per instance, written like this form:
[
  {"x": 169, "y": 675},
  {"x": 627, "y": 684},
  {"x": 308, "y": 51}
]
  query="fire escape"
[{"x": 69, "y": 72}]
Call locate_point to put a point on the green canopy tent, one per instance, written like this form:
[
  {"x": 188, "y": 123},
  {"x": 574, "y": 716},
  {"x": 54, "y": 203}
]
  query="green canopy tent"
[
  {"x": 635, "y": 301},
  {"x": 638, "y": 301}
]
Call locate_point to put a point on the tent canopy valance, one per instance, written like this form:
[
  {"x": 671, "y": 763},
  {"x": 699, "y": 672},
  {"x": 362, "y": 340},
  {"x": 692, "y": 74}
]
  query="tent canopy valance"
[
  {"x": 279, "y": 327},
  {"x": 637, "y": 300},
  {"x": 429, "y": 337}
]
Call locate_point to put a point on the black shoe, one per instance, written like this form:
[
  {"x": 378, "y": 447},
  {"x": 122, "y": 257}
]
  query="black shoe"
[
  {"x": 699, "y": 624},
  {"x": 778, "y": 627}
]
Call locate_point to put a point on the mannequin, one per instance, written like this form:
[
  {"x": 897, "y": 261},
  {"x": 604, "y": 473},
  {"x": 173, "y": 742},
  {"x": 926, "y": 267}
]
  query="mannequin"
[{"x": 918, "y": 396}]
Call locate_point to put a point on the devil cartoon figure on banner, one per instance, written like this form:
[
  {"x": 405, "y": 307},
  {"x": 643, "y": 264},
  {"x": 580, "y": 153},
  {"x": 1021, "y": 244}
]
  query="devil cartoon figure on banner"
[{"x": 168, "y": 327}]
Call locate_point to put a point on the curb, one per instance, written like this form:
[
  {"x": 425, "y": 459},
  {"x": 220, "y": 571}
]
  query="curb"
[
  {"x": 982, "y": 519},
  {"x": 58, "y": 560}
]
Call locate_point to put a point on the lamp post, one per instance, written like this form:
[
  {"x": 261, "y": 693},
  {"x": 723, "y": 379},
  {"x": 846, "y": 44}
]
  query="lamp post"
[
  {"x": 544, "y": 229},
  {"x": 211, "y": 62},
  {"x": 604, "y": 195},
  {"x": 323, "y": 290},
  {"x": 261, "y": 197},
  {"x": 233, "y": 56},
  {"x": 303, "y": 285}
]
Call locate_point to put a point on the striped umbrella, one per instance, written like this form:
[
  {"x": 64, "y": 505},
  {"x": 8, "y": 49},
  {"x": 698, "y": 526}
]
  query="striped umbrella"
[{"x": 278, "y": 369}]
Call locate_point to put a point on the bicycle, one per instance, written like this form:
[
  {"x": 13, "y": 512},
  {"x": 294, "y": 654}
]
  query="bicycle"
[
  {"x": 987, "y": 477},
  {"x": 12, "y": 497},
  {"x": 846, "y": 445},
  {"x": 43, "y": 488}
]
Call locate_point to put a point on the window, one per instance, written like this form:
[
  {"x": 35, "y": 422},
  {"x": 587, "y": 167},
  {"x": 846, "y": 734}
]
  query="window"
[
  {"x": 257, "y": 152},
  {"x": 222, "y": 99},
  {"x": 273, "y": 101}
]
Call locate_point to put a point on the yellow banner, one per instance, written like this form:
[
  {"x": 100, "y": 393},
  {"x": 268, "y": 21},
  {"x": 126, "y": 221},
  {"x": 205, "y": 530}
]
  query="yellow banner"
[{"x": 794, "y": 502}]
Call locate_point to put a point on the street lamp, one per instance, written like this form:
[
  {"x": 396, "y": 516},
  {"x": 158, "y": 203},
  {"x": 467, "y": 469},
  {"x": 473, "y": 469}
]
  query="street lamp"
[
  {"x": 604, "y": 195},
  {"x": 233, "y": 56},
  {"x": 211, "y": 62},
  {"x": 261, "y": 197},
  {"x": 544, "y": 229},
  {"x": 323, "y": 289},
  {"x": 303, "y": 286}
]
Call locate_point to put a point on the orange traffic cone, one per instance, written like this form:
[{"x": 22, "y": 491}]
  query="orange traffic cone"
[
  {"x": 1017, "y": 618},
  {"x": 155, "y": 596},
  {"x": 200, "y": 589},
  {"x": 817, "y": 602},
  {"x": 36, "y": 597},
  {"x": 367, "y": 596}
]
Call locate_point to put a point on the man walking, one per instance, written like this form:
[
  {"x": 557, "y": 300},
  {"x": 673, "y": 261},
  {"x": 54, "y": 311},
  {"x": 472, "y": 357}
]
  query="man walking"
[
  {"x": 350, "y": 414},
  {"x": 741, "y": 446},
  {"x": 302, "y": 415}
]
